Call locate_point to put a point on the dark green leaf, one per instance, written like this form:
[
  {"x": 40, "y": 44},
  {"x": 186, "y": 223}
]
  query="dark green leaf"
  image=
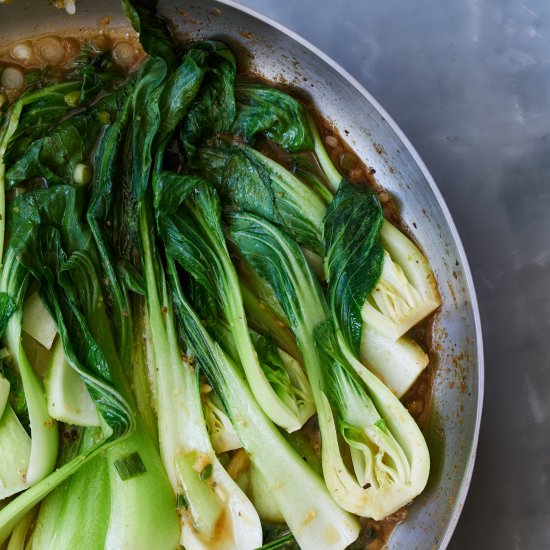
[
  {"x": 183, "y": 237},
  {"x": 353, "y": 255},
  {"x": 265, "y": 110},
  {"x": 340, "y": 381},
  {"x": 279, "y": 260},
  {"x": 250, "y": 181},
  {"x": 54, "y": 156},
  {"x": 113, "y": 222},
  {"x": 146, "y": 122},
  {"x": 17, "y": 398},
  {"x": 40, "y": 109},
  {"x": 180, "y": 90},
  {"x": 97, "y": 71},
  {"x": 153, "y": 32},
  {"x": 213, "y": 110}
]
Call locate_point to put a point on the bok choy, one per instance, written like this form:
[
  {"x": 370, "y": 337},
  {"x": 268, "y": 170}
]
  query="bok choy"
[
  {"x": 406, "y": 291},
  {"x": 356, "y": 411},
  {"x": 313, "y": 517},
  {"x": 188, "y": 217}
]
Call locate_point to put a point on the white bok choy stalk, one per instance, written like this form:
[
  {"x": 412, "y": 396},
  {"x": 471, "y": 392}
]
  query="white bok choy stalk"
[
  {"x": 389, "y": 455},
  {"x": 406, "y": 291},
  {"x": 313, "y": 517}
]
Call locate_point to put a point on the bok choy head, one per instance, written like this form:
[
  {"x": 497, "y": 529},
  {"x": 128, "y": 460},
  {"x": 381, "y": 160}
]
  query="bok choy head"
[
  {"x": 214, "y": 512},
  {"x": 358, "y": 415},
  {"x": 189, "y": 221},
  {"x": 311, "y": 514},
  {"x": 406, "y": 291}
]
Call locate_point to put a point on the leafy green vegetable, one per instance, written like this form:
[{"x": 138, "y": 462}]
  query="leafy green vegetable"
[
  {"x": 264, "y": 320},
  {"x": 7, "y": 309},
  {"x": 160, "y": 101},
  {"x": 353, "y": 256},
  {"x": 182, "y": 443},
  {"x": 162, "y": 218},
  {"x": 188, "y": 217},
  {"x": 265, "y": 110},
  {"x": 355, "y": 410},
  {"x": 36, "y": 112},
  {"x": 26, "y": 119},
  {"x": 154, "y": 35},
  {"x": 253, "y": 182},
  {"x": 88, "y": 522},
  {"x": 14, "y": 282},
  {"x": 298, "y": 492},
  {"x": 58, "y": 248},
  {"x": 112, "y": 230},
  {"x": 55, "y": 156},
  {"x": 286, "y": 378},
  {"x": 213, "y": 110},
  {"x": 97, "y": 71},
  {"x": 398, "y": 363},
  {"x": 54, "y": 243}
]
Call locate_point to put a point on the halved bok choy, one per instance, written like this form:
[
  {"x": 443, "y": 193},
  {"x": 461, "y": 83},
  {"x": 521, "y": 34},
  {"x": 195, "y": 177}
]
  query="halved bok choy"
[
  {"x": 215, "y": 513},
  {"x": 389, "y": 455},
  {"x": 189, "y": 220},
  {"x": 406, "y": 291},
  {"x": 315, "y": 520},
  {"x": 56, "y": 247}
]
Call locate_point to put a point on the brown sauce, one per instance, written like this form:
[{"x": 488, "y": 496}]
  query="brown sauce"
[{"x": 57, "y": 51}]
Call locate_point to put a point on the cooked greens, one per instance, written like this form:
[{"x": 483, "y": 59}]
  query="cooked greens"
[{"x": 188, "y": 287}]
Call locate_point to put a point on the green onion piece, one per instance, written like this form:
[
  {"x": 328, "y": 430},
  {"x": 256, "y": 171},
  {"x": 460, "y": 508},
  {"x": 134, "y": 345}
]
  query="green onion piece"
[
  {"x": 3, "y": 99},
  {"x": 206, "y": 472},
  {"x": 82, "y": 174},
  {"x": 129, "y": 466},
  {"x": 72, "y": 99}
]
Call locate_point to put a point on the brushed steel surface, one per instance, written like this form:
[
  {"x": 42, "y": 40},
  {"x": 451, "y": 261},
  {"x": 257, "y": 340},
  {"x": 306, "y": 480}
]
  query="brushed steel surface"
[{"x": 277, "y": 54}]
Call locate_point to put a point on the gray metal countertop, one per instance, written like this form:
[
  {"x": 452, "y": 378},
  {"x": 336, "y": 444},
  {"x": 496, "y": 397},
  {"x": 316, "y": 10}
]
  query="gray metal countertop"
[{"x": 469, "y": 83}]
